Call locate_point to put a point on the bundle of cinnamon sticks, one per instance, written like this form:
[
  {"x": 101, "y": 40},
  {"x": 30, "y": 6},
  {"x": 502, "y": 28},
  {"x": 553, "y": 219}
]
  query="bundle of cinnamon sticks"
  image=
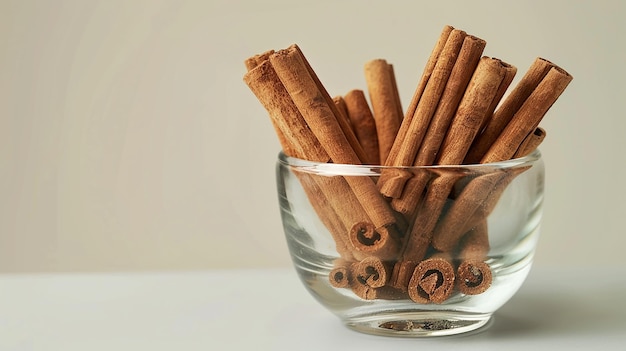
[{"x": 399, "y": 236}]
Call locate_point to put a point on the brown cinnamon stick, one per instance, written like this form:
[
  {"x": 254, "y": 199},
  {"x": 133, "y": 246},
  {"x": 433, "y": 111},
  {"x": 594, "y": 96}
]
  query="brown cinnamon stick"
[
  {"x": 531, "y": 142},
  {"x": 462, "y": 72},
  {"x": 418, "y": 240},
  {"x": 340, "y": 276},
  {"x": 341, "y": 120},
  {"x": 372, "y": 272},
  {"x": 295, "y": 137},
  {"x": 470, "y": 114},
  {"x": 297, "y": 140},
  {"x": 464, "y": 68},
  {"x": 256, "y": 60},
  {"x": 478, "y": 199},
  {"x": 425, "y": 77},
  {"x": 392, "y": 182},
  {"x": 474, "y": 275},
  {"x": 527, "y": 118},
  {"x": 331, "y": 197},
  {"x": 472, "y": 109},
  {"x": 476, "y": 105},
  {"x": 509, "y": 75},
  {"x": 503, "y": 115},
  {"x": 340, "y": 103},
  {"x": 433, "y": 280},
  {"x": 363, "y": 123},
  {"x": 455, "y": 222},
  {"x": 383, "y": 92},
  {"x": 320, "y": 118}
]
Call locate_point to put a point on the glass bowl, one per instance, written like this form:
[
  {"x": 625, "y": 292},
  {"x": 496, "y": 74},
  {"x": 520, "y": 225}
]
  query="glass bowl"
[{"x": 437, "y": 257}]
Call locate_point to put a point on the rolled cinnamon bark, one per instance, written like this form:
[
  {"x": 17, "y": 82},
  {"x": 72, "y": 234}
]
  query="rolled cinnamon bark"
[
  {"x": 341, "y": 120},
  {"x": 527, "y": 118},
  {"x": 462, "y": 72},
  {"x": 341, "y": 275},
  {"x": 372, "y": 272},
  {"x": 297, "y": 140},
  {"x": 523, "y": 122},
  {"x": 340, "y": 103},
  {"x": 368, "y": 241},
  {"x": 381, "y": 85},
  {"x": 332, "y": 198},
  {"x": 391, "y": 182},
  {"x": 473, "y": 275},
  {"x": 306, "y": 95},
  {"x": 418, "y": 241},
  {"x": 425, "y": 77},
  {"x": 256, "y": 60},
  {"x": 426, "y": 74},
  {"x": 478, "y": 199},
  {"x": 295, "y": 137},
  {"x": 464, "y": 67},
  {"x": 531, "y": 142},
  {"x": 472, "y": 110},
  {"x": 477, "y": 104},
  {"x": 432, "y": 280},
  {"x": 455, "y": 222},
  {"x": 363, "y": 123},
  {"x": 503, "y": 115}
]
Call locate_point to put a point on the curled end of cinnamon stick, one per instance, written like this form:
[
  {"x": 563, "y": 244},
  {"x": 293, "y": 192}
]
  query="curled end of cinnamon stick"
[
  {"x": 376, "y": 242},
  {"x": 372, "y": 272},
  {"x": 432, "y": 281},
  {"x": 474, "y": 277},
  {"x": 339, "y": 277}
]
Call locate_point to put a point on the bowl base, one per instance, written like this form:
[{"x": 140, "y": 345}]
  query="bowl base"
[{"x": 419, "y": 324}]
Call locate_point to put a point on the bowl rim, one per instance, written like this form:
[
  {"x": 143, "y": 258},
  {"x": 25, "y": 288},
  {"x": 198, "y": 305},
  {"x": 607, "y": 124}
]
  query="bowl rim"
[{"x": 364, "y": 169}]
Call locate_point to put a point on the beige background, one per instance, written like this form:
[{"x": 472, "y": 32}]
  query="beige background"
[{"x": 128, "y": 140}]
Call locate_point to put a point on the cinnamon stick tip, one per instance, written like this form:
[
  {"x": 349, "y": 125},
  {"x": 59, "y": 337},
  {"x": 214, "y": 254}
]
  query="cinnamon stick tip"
[
  {"x": 555, "y": 66},
  {"x": 539, "y": 132}
]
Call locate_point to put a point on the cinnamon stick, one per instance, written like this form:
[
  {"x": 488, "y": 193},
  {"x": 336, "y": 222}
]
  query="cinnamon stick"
[
  {"x": 527, "y": 118},
  {"x": 297, "y": 140},
  {"x": 464, "y": 68},
  {"x": 478, "y": 199},
  {"x": 340, "y": 276},
  {"x": 320, "y": 118},
  {"x": 368, "y": 280},
  {"x": 425, "y": 77},
  {"x": 455, "y": 222},
  {"x": 503, "y": 115},
  {"x": 418, "y": 241},
  {"x": 524, "y": 121},
  {"x": 340, "y": 103},
  {"x": 433, "y": 280},
  {"x": 531, "y": 142},
  {"x": 473, "y": 275},
  {"x": 392, "y": 182},
  {"x": 473, "y": 108},
  {"x": 256, "y": 60},
  {"x": 462, "y": 72},
  {"x": 476, "y": 105},
  {"x": 509, "y": 75},
  {"x": 295, "y": 137},
  {"x": 363, "y": 123},
  {"x": 383, "y": 92},
  {"x": 372, "y": 272},
  {"x": 341, "y": 120}
]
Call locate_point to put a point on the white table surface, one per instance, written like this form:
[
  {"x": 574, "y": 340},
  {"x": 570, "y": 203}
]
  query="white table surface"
[{"x": 556, "y": 309}]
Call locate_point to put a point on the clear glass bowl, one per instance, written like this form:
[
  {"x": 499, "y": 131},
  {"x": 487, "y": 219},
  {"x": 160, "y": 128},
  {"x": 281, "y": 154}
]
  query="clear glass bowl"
[{"x": 440, "y": 266}]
